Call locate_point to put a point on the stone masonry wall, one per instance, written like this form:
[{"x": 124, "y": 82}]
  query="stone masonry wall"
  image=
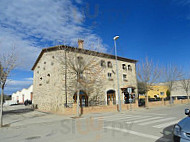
[{"x": 49, "y": 81}]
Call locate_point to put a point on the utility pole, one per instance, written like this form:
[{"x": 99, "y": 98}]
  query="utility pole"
[
  {"x": 118, "y": 89},
  {"x": 66, "y": 78}
]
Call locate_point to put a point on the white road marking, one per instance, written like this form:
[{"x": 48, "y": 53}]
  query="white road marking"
[
  {"x": 128, "y": 118},
  {"x": 131, "y": 120},
  {"x": 138, "y": 134},
  {"x": 112, "y": 116},
  {"x": 156, "y": 113},
  {"x": 148, "y": 119},
  {"x": 166, "y": 124},
  {"x": 155, "y": 121}
]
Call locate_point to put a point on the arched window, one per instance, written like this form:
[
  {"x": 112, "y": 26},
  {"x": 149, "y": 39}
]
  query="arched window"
[
  {"x": 103, "y": 63},
  {"x": 129, "y": 67},
  {"x": 109, "y": 64},
  {"x": 124, "y": 66},
  {"x": 83, "y": 98},
  {"x": 111, "y": 98}
]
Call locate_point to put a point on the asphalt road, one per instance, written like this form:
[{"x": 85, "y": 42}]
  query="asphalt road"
[{"x": 142, "y": 125}]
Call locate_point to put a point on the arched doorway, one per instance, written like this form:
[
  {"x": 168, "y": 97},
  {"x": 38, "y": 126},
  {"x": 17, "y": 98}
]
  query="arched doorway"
[
  {"x": 111, "y": 96},
  {"x": 83, "y": 98}
]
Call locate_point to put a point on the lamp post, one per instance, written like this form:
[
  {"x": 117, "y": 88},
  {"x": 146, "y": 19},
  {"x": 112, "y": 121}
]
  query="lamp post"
[{"x": 118, "y": 89}]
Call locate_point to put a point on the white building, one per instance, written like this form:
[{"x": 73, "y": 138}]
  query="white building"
[
  {"x": 178, "y": 89},
  {"x": 23, "y": 95}
]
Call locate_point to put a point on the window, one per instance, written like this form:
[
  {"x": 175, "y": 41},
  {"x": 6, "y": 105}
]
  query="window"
[
  {"x": 48, "y": 75},
  {"x": 109, "y": 64},
  {"x": 44, "y": 62},
  {"x": 40, "y": 78},
  {"x": 52, "y": 63},
  {"x": 129, "y": 67},
  {"x": 53, "y": 57},
  {"x": 124, "y": 77},
  {"x": 103, "y": 63},
  {"x": 109, "y": 75},
  {"x": 162, "y": 93},
  {"x": 79, "y": 58},
  {"x": 124, "y": 66}
]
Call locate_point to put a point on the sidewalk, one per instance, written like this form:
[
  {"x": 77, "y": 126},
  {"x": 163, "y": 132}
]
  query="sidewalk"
[{"x": 18, "y": 116}]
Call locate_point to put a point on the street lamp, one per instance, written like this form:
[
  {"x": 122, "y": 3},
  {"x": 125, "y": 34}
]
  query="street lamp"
[{"x": 118, "y": 89}]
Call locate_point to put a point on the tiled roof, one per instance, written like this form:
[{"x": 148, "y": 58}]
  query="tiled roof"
[{"x": 82, "y": 51}]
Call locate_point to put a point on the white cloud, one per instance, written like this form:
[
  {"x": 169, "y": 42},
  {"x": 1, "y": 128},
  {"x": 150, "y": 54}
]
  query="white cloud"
[
  {"x": 17, "y": 85},
  {"x": 78, "y": 1},
  {"x": 29, "y": 79},
  {"x": 29, "y": 24}
]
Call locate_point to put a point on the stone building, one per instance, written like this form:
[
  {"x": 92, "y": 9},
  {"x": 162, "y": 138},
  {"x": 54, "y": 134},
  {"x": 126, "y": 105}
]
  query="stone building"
[{"x": 54, "y": 83}]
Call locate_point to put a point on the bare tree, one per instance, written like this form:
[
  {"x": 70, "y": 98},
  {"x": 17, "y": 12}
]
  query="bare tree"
[
  {"x": 84, "y": 71},
  {"x": 185, "y": 84},
  {"x": 171, "y": 74},
  {"x": 7, "y": 64},
  {"x": 148, "y": 73}
]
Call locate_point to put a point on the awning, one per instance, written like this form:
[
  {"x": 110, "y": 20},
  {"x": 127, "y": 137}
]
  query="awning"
[
  {"x": 128, "y": 86},
  {"x": 125, "y": 88}
]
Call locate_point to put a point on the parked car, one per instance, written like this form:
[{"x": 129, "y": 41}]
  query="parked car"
[
  {"x": 27, "y": 102},
  {"x": 181, "y": 131},
  {"x": 141, "y": 102},
  {"x": 181, "y": 97},
  {"x": 10, "y": 102}
]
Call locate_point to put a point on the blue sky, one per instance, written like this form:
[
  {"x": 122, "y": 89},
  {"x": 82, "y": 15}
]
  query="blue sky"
[{"x": 159, "y": 29}]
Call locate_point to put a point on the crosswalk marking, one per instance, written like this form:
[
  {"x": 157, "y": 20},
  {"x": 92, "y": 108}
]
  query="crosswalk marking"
[
  {"x": 120, "y": 115},
  {"x": 157, "y": 114},
  {"x": 132, "y": 118},
  {"x": 166, "y": 124},
  {"x": 117, "y": 118},
  {"x": 155, "y": 121},
  {"x": 143, "y": 120},
  {"x": 136, "y": 118},
  {"x": 127, "y": 118}
]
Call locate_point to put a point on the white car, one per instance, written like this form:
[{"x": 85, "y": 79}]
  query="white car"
[{"x": 10, "y": 102}]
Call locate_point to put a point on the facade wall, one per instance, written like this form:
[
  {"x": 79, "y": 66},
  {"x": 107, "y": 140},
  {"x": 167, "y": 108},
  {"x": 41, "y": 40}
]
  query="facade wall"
[
  {"x": 23, "y": 95},
  {"x": 49, "y": 80},
  {"x": 48, "y": 91},
  {"x": 178, "y": 89},
  {"x": 159, "y": 91}
]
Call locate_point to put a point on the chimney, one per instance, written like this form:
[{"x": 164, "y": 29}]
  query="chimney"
[{"x": 80, "y": 43}]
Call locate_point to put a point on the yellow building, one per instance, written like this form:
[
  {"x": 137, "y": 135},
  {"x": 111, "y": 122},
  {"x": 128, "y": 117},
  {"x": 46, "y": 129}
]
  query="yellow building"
[{"x": 156, "y": 92}]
